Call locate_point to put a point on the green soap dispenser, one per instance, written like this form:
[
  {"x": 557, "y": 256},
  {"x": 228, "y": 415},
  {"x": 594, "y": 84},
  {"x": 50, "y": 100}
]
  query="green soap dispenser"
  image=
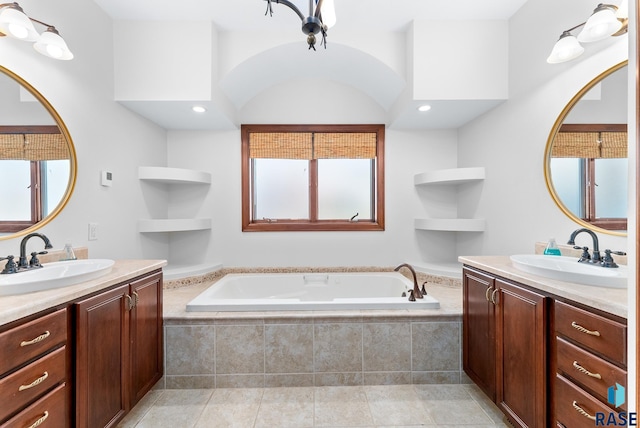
[{"x": 552, "y": 248}]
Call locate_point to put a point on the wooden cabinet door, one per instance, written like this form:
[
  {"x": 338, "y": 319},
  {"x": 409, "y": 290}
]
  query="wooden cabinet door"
[
  {"x": 146, "y": 335},
  {"x": 102, "y": 350},
  {"x": 521, "y": 339},
  {"x": 478, "y": 331}
]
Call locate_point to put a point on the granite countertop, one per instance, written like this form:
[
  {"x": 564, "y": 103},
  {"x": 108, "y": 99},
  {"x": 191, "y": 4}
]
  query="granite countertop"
[
  {"x": 176, "y": 299},
  {"x": 21, "y": 305},
  {"x": 611, "y": 300}
]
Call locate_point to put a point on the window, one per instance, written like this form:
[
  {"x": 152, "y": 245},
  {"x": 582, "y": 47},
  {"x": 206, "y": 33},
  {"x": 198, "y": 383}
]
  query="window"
[
  {"x": 35, "y": 163},
  {"x": 589, "y": 169},
  {"x": 312, "y": 177}
]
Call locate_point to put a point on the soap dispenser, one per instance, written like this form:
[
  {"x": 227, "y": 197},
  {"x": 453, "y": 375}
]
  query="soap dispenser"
[{"x": 552, "y": 248}]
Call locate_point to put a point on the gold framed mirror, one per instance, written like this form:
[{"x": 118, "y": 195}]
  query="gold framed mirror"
[
  {"x": 37, "y": 158},
  {"x": 585, "y": 160}
]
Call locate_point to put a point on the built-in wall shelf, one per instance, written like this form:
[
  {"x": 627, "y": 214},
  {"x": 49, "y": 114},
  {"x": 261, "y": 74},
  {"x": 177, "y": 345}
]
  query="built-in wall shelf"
[
  {"x": 450, "y": 224},
  {"x": 173, "y": 225},
  {"x": 173, "y": 175},
  {"x": 449, "y": 176}
]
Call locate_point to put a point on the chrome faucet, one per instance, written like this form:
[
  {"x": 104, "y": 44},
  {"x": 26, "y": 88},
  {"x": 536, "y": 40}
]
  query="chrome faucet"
[
  {"x": 415, "y": 293},
  {"x": 595, "y": 258},
  {"x": 34, "y": 263}
]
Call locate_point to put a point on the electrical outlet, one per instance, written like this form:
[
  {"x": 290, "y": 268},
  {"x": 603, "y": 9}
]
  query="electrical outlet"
[{"x": 93, "y": 231}]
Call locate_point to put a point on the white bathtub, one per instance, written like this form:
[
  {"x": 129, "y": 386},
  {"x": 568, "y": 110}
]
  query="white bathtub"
[{"x": 309, "y": 291}]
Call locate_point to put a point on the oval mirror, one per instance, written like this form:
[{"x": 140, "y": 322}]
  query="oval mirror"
[
  {"x": 586, "y": 167},
  {"x": 37, "y": 158}
]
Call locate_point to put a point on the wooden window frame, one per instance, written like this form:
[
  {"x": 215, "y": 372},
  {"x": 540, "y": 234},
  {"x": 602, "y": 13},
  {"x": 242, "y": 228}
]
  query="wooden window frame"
[{"x": 313, "y": 224}]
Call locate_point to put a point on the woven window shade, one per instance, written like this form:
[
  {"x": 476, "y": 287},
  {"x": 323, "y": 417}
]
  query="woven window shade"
[
  {"x": 344, "y": 145},
  {"x": 590, "y": 145},
  {"x": 614, "y": 144},
  {"x": 33, "y": 147},
  {"x": 11, "y": 147},
  {"x": 43, "y": 147},
  {"x": 280, "y": 145}
]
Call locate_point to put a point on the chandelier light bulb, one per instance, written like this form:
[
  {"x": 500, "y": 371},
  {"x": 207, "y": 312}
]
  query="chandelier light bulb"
[{"x": 328, "y": 13}]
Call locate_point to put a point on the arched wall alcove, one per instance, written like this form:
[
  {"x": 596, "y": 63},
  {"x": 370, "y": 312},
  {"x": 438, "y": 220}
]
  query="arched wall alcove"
[{"x": 338, "y": 63}]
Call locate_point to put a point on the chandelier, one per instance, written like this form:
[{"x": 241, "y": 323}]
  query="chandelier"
[
  {"x": 16, "y": 24},
  {"x": 606, "y": 20},
  {"x": 322, "y": 16}
]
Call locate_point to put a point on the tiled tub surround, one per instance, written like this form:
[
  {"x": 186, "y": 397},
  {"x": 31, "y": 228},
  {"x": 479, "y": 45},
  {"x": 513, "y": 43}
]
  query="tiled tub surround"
[{"x": 311, "y": 348}]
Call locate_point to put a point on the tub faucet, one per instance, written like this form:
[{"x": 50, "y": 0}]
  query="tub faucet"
[
  {"x": 415, "y": 293},
  {"x": 22, "y": 262},
  {"x": 595, "y": 258}
]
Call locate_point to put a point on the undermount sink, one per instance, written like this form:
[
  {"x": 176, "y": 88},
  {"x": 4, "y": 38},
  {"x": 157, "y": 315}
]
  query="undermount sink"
[
  {"x": 568, "y": 269},
  {"x": 54, "y": 275}
]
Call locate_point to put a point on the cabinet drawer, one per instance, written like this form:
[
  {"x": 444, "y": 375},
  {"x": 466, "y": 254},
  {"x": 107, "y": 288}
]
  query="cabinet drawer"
[
  {"x": 31, "y": 381},
  {"x": 27, "y": 341},
  {"x": 602, "y": 335},
  {"x": 48, "y": 412},
  {"x": 571, "y": 402},
  {"x": 587, "y": 370}
]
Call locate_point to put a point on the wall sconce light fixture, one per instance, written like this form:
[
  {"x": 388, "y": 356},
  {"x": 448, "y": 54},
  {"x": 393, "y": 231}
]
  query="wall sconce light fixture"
[
  {"x": 606, "y": 20},
  {"x": 16, "y": 24},
  {"x": 322, "y": 16}
]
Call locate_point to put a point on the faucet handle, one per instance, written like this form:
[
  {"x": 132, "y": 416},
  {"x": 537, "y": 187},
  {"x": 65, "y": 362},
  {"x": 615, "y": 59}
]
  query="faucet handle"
[
  {"x": 34, "y": 261},
  {"x": 608, "y": 261},
  {"x": 585, "y": 256},
  {"x": 10, "y": 267}
]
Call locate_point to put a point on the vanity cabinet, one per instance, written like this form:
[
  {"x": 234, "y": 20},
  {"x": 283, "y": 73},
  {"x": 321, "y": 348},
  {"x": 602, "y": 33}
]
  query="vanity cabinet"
[
  {"x": 118, "y": 350},
  {"x": 505, "y": 345},
  {"x": 589, "y": 358},
  {"x": 34, "y": 371}
]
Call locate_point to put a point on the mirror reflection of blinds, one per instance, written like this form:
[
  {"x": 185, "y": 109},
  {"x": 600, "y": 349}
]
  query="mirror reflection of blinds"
[
  {"x": 33, "y": 147},
  {"x": 591, "y": 145},
  {"x": 312, "y": 145}
]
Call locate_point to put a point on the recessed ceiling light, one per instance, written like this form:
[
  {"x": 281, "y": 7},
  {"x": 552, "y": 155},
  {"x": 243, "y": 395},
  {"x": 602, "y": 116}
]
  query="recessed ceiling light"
[
  {"x": 198, "y": 109},
  {"x": 425, "y": 107}
]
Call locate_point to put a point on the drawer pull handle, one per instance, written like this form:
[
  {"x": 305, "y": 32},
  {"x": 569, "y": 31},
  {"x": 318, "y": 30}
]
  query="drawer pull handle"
[
  {"x": 584, "y": 330},
  {"x": 40, "y": 420},
  {"x": 40, "y": 338},
  {"x": 585, "y": 371},
  {"x": 35, "y": 382},
  {"x": 582, "y": 411},
  {"x": 486, "y": 294}
]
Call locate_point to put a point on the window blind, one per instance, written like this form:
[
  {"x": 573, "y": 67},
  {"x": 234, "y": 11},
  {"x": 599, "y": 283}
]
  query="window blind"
[
  {"x": 313, "y": 145},
  {"x": 33, "y": 147}
]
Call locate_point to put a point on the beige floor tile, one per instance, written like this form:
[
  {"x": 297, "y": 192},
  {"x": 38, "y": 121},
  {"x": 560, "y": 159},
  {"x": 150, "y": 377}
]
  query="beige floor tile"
[
  {"x": 341, "y": 406},
  {"x": 236, "y": 408},
  {"x": 143, "y": 406},
  {"x": 394, "y": 405},
  {"x": 176, "y": 408},
  {"x": 286, "y": 407}
]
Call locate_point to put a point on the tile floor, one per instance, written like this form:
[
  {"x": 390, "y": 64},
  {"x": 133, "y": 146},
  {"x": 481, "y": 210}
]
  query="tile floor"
[{"x": 334, "y": 406}]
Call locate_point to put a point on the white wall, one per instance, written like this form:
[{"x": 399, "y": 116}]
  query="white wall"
[
  {"x": 106, "y": 135},
  {"x": 510, "y": 140},
  {"x": 407, "y": 153}
]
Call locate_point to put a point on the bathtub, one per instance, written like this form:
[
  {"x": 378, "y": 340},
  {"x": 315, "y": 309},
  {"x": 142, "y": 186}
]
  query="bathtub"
[{"x": 309, "y": 291}]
